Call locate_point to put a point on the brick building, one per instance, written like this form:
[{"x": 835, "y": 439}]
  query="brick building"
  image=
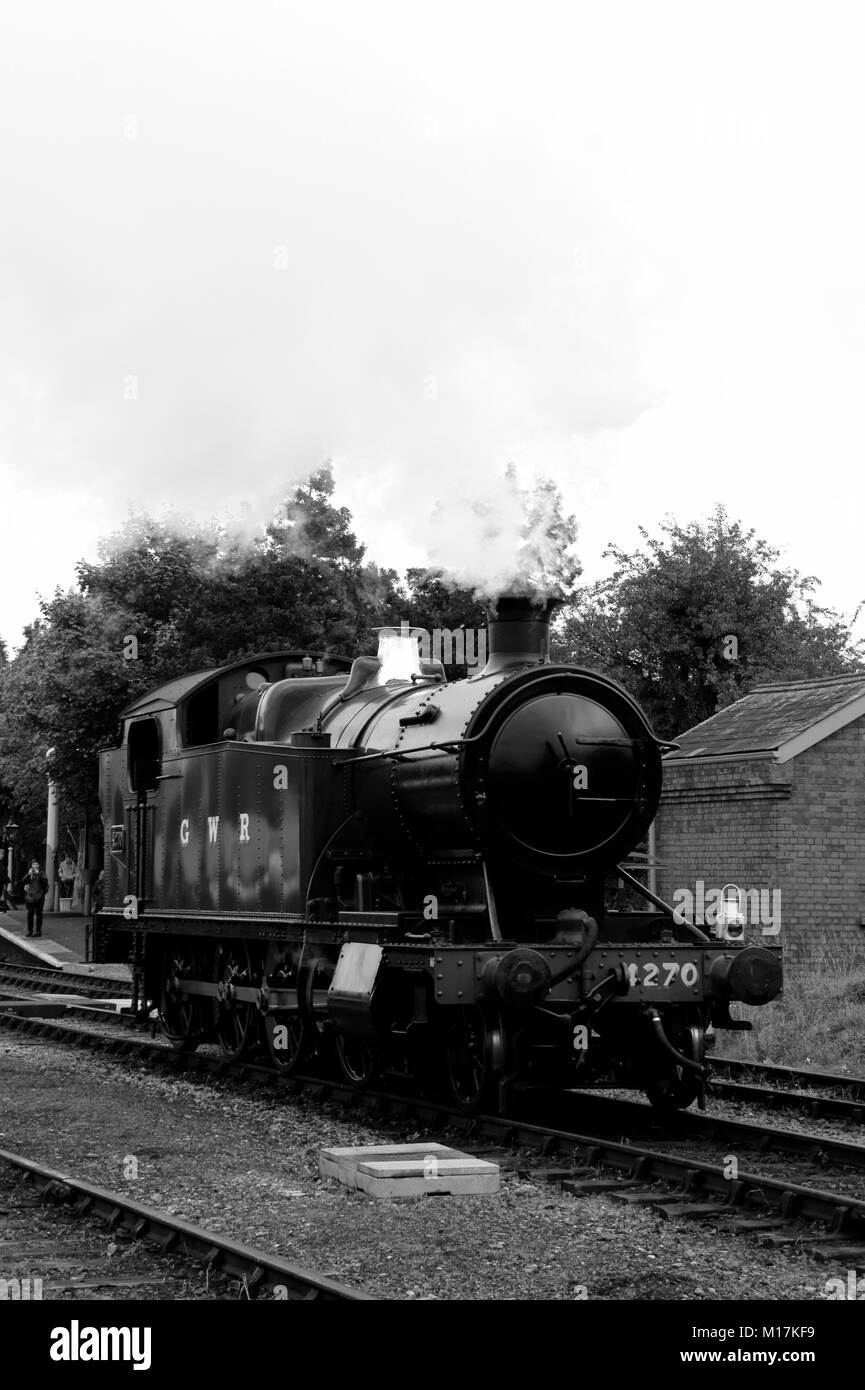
[{"x": 769, "y": 794}]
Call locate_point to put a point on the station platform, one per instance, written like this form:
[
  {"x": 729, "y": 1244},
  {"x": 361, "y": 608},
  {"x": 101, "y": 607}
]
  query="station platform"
[{"x": 64, "y": 941}]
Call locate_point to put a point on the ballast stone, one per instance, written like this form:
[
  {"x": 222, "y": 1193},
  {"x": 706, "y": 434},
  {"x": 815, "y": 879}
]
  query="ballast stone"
[{"x": 409, "y": 1170}]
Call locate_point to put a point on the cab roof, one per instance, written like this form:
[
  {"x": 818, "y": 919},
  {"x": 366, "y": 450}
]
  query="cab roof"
[{"x": 170, "y": 694}]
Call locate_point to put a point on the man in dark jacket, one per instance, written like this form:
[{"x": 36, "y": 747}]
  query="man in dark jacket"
[{"x": 35, "y": 888}]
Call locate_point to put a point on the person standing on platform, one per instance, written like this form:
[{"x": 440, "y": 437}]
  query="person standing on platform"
[
  {"x": 67, "y": 876},
  {"x": 35, "y": 888}
]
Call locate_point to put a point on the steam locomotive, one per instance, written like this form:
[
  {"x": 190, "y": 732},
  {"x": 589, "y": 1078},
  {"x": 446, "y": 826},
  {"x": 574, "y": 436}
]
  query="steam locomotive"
[{"x": 363, "y": 867}]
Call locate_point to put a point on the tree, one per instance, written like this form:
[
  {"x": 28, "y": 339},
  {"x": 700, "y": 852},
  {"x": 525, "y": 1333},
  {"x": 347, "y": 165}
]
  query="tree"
[
  {"x": 167, "y": 597},
  {"x": 199, "y": 596},
  {"x": 435, "y": 603},
  {"x": 309, "y": 526},
  {"x": 63, "y": 692},
  {"x": 699, "y": 616},
  {"x": 432, "y": 603},
  {"x": 152, "y": 572},
  {"x": 310, "y": 550}
]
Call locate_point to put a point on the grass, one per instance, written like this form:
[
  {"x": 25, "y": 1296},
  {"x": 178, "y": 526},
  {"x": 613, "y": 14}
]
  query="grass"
[{"x": 818, "y": 1021}]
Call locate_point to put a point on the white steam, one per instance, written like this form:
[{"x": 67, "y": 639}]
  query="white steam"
[
  {"x": 235, "y": 251},
  {"x": 507, "y": 540}
]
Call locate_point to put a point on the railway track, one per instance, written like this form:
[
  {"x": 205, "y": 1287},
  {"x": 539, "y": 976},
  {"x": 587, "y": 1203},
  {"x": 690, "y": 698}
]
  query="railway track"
[
  {"x": 627, "y": 1115},
  {"x": 750, "y": 1203},
  {"x": 793, "y": 1089},
  {"x": 731, "y": 1080},
  {"x": 738, "y": 1199},
  {"x": 41, "y": 978},
  {"x": 53, "y": 1230},
  {"x": 792, "y": 1076},
  {"x": 740, "y": 1135}
]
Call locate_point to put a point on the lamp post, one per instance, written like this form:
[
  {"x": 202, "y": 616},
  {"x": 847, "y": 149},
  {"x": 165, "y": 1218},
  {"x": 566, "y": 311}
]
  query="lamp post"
[
  {"x": 53, "y": 825},
  {"x": 10, "y": 832}
]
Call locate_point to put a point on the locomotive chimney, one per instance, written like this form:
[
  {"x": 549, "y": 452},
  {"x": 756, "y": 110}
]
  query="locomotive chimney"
[{"x": 518, "y": 631}]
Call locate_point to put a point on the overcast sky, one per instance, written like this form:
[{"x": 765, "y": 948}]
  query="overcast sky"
[{"x": 622, "y": 245}]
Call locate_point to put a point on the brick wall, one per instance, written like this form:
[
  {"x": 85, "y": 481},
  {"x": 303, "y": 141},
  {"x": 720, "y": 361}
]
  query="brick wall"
[
  {"x": 823, "y": 847},
  {"x": 798, "y": 827},
  {"x": 722, "y": 823}
]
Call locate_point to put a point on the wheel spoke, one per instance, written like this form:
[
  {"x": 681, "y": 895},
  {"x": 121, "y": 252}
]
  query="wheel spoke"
[
  {"x": 474, "y": 1058},
  {"x": 178, "y": 1012},
  {"x": 235, "y": 1023}
]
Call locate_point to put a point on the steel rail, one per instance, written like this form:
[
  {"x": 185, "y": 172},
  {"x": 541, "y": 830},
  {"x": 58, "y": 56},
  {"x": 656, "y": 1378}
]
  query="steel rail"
[
  {"x": 791, "y": 1076},
  {"x": 838, "y": 1210},
  {"x": 62, "y": 981},
  {"x": 815, "y": 1106},
  {"x": 763, "y": 1139},
  {"x": 171, "y": 1235}
]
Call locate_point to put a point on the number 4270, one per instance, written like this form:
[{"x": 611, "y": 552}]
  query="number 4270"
[{"x": 647, "y": 974}]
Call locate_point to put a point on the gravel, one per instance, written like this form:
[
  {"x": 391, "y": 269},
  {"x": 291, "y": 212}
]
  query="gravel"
[
  {"x": 247, "y": 1164},
  {"x": 77, "y": 1260}
]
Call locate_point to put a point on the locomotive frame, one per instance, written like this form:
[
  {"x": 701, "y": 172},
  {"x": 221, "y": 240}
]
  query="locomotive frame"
[{"x": 360, "y": 866}]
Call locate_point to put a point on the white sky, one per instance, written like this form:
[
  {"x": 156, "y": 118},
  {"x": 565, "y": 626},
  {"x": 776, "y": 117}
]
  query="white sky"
[{"x": 620, "y": 244}]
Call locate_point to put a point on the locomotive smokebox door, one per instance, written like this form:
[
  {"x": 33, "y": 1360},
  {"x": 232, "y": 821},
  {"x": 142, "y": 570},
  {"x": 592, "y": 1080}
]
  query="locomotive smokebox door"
[{"x": 349, "y": 999}]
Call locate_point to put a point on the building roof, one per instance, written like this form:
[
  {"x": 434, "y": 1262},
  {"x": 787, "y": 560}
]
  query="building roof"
[{"x": 781, "y": 719}]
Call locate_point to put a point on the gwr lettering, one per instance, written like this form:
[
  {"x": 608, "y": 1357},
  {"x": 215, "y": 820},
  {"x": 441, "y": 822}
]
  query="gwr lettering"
[{"x": 243, "y": 837}]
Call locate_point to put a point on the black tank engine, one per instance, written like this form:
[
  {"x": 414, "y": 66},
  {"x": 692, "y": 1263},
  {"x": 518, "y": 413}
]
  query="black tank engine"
[{"x": 363, "y": 867}]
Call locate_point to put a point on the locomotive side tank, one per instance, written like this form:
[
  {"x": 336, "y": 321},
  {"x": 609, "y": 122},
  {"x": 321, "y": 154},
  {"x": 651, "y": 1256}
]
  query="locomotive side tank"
[{"x": 380, "y": 871}]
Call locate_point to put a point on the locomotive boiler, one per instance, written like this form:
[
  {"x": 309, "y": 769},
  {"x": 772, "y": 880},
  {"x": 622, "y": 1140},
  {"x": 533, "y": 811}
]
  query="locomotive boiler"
[{"x": 363, "y": 867}]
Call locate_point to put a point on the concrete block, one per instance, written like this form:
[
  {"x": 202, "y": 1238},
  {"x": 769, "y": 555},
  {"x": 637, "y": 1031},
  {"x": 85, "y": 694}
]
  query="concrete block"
[{"x": 409, "y": 1170}]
